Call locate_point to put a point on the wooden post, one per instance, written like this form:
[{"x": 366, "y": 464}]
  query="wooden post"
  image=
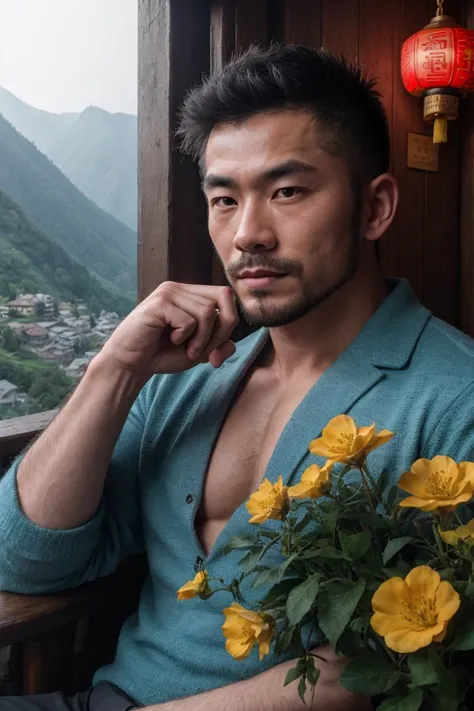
[
  {"x": 174, "y": 52},
  {"x": 467, "y": 204}
]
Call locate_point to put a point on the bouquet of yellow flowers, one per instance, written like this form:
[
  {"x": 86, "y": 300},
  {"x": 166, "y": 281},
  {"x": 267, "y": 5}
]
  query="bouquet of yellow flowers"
[{"x": 386, "y": 579}]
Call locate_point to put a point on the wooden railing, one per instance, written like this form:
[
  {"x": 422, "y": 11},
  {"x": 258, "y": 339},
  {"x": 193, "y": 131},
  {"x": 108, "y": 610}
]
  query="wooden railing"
[
  {"x": 56, "y": 642},
  {"x": 17, "y": 433}
]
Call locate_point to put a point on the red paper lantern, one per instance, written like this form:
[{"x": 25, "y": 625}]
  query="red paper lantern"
[{"x": 438, "y": 63}]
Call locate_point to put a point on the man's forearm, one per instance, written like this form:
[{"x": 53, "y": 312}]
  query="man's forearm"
[
  {"x": 61, "y": 478},
  {"x": 266, "y": 692}
]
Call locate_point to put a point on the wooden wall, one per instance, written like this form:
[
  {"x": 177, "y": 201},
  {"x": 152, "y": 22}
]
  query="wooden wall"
[
  {"x": 467, "y": 204},
  {"x": 424, "y": 243}
]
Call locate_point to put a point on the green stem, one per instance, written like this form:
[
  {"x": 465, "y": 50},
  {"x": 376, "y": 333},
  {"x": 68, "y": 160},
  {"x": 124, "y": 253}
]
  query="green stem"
[
  {"x": 367, "y": 489},
  {"x": 373, "y": 483},
  {"x": 443, "y": 557}
]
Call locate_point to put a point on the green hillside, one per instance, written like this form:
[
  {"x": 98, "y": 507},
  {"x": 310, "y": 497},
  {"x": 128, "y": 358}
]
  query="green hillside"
[
  {"x": 45, "y": 383},
  {"x": 88, "y": 234},
  {"x": 31, "y": 262},
  {"x": 95, "y": 149}
]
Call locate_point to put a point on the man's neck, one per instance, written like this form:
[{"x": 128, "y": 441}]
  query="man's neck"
[{"x": 311, "y": 344}]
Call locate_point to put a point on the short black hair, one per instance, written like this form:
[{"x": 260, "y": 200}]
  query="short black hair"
[{"x": 344, "y": 101}]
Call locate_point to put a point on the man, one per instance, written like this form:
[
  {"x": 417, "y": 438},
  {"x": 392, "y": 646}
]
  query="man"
[{"x": 172, "y": 427}]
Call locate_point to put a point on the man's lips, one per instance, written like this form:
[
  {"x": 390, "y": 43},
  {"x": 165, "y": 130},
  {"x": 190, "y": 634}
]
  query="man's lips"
[{"x": 258, "y": 278}]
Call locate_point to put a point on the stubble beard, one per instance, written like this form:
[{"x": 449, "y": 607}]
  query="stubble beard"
[{"x": 326, "y": 283}]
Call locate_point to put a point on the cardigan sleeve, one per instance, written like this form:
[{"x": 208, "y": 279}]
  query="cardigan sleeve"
[{"x": 36, "y": 560}]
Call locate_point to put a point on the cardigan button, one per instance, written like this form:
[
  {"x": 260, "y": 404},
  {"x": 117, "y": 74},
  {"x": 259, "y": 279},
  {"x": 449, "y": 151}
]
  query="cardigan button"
[{"x": 189, "y": 499}]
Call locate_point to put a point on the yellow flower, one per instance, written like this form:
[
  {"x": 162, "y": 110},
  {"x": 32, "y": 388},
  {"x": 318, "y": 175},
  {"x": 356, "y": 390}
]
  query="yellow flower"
[
  {"x": 198, "y": 586},
  {"x": 268, "y": 502},
  {"x": 437, "y": 483},
  {"x": 343, "y": 441},
  {"x": 412, "y": 613},
  {"x": 244, "y": 629},
  {"x": 461, "y": 533},
  {"x": 314, "y": 482}
]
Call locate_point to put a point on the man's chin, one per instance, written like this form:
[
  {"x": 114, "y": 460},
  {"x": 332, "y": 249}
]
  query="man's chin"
[{"x": 265, "y": 315}]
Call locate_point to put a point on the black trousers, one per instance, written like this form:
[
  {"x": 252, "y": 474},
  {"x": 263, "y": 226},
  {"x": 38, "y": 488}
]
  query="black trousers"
[{"x": 103, "y": 697}]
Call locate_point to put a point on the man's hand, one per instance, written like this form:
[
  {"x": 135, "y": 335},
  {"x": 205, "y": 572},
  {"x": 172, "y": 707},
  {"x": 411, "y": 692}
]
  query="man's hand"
[{"x": 177, "y": 326}]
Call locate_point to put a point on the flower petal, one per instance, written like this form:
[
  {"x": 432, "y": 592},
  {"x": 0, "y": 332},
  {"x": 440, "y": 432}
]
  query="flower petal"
[
  {"x": 300, "y": 491},
  {"x": 447, "y": 601},
  {"x": 414, "y": 481},
  {"x": 187, "y": 591},
  {"x": 340, "y": 427},
  {"x": 389, "y": 596},
  {"x": 263, "y": 649},
  {"x": 239, "y": 649},
  {"x": 407, "y": 640},
  {"x": 320, "y": 447},
  {"x": 416, "y": 502},
  {"x": 381, "y": 438},
  {"x": 423, "y": 582},
  {"x": 383, "y": 623}
]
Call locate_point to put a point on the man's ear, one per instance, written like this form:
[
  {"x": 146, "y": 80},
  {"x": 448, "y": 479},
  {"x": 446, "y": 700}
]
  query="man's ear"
[{"x": 380, "y": 206}]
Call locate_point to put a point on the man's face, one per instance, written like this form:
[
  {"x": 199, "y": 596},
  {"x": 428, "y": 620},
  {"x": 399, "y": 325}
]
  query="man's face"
[{"x": 281, "y": 215}]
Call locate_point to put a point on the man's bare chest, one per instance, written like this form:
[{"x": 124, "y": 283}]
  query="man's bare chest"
[{"x": 246, "y": 442}]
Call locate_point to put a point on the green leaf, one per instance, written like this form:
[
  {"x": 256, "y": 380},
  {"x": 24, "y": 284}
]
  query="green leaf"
[
  {"x": 368, "y": 674},
  {"x": 356, "y": 545},
  {"x": 266, "y": 533},
  {"x": 372, "y": 520},
  {"x": 302, "y": 688},
  {"x": 336, "y": 606},
  {"x": 239, "y": 542},
  {"x": 301, "y": 598},
  {"x": 296, "y": 672},
  {"x": 301, "y": 525},
  {"x": 281, "y": 589},
  {"x": 383, "y": 480},
  {"x": 272, "y": 575},
  {"x": 422, "y": 670},
  {"x": 323, "y": 552},
  {"x": 394, "y": 546},
  {"x": 399, "y": 571},
  {"x": 288, "y": 638},
  {"x": 349, "y": 643},
  {"x": 250, "y": 559},
  {"x": 392, "y": 496},
  {"x": 312, "y": 672},
  {"x": 412, "y": 702},
  {"x": 447, "y": 692},
  {"x": 464, "y": 639}
]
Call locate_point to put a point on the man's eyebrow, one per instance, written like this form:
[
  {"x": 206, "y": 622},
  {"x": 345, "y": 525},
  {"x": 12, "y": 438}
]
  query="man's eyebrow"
[
  {"x": 289, "y": 167},
  {"x": 217, "y": 181}
]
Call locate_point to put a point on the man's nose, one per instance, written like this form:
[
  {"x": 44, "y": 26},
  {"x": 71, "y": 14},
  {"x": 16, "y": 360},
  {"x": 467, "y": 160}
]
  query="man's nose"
[{"x": 255, "y": 232}]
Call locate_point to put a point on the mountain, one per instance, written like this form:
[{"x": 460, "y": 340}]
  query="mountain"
[
  {"x": 31, "y": 262},
  {"x": 40, "y": 127},
  {"x": 88, "y": 234},
  {"x": 95, "y": 149},
  {"x": 98, "y": 153}
]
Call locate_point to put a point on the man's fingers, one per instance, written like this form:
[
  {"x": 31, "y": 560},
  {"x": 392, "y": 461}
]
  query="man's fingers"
[
  {"x": 227, "y": 320},
  {"x": 220, "y": 355},
  {"x": 215, "y": 313},
  {"x": 209, "y": 317}
]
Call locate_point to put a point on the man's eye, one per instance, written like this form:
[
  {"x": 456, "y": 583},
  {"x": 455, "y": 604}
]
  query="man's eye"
[
  {"x": 223, "y": 201},
  {"x": 289, "y": 192}
]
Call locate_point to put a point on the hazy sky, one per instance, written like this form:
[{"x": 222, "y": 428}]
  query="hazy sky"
[{"x": 64, "y": 55}]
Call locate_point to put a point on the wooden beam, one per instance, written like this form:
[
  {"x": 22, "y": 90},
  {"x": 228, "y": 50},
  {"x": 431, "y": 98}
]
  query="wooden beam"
[
  {"x": 467, "y": 203},
  {"x": 174, "y": 53}
]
